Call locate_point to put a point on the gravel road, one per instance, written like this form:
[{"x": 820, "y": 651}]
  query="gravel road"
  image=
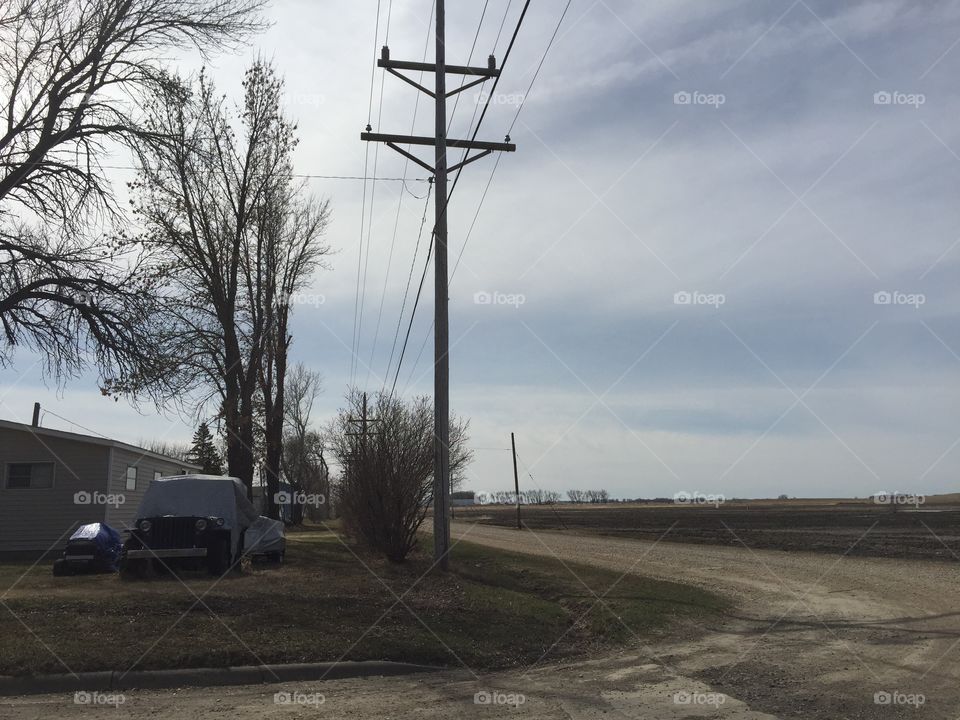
[{"x": 811, "y": 636}]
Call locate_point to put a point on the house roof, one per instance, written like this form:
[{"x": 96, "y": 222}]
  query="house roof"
[{"x": 92, "y": 440}]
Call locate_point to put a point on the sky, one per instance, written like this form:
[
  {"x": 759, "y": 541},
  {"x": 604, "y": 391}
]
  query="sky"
[{"x": 723, "y": 258}]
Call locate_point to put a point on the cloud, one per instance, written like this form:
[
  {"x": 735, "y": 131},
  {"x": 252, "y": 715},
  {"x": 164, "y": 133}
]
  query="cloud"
[{"x": 798, "y": 199}]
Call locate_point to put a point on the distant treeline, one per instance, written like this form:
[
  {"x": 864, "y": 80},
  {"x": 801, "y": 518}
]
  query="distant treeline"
[{"x": 541, "y": 497}]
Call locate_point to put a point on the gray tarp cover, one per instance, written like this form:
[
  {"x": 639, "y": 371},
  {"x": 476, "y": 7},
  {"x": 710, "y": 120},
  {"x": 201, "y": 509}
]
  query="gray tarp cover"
[
  {"x": 264, "y": 536},
  {"x": 201, "y": 496}
]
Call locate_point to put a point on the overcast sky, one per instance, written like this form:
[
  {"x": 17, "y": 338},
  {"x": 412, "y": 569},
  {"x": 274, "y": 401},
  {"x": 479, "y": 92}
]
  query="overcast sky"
[{"x": 723, "y": 259}]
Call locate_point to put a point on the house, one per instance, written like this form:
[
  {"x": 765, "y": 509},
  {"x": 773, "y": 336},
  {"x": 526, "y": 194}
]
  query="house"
[{"x": 52, "y": 481}]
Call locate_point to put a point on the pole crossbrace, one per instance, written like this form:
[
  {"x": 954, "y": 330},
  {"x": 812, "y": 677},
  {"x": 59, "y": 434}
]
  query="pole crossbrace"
[
  {"x": 394, "y": 141},
  {"x": 469, "y": 160}
]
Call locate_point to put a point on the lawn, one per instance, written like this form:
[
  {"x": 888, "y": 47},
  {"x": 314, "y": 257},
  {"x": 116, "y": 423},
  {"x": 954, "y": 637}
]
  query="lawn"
[{"x": 334, "y": 601}]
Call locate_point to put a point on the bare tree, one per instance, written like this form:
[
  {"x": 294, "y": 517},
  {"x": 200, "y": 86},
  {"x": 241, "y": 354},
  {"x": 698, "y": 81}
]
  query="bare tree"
[
  {"x": 386, "y": 486},
  {"x": 71, "y": 74},
  {"x": 290, "y": 249},
  {"x": 304, "y": 465},
  {"x": 178, "y": 451},
  {"x": 235, "y": 238}
]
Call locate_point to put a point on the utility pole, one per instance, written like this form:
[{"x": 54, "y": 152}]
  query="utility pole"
[
  {"x": 516, "y": 478},
  {"x": 364, "y": 420},
  {"x": 440, "y": 169}
]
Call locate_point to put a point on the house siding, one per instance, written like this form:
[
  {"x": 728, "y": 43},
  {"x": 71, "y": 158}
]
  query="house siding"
[
  {"x": 123, "y": 515},
  {"x": 42, "y": 519}
]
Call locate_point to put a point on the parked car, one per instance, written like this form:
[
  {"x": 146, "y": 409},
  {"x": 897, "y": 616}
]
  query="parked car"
[
  {"x": 188, "y": 522},
  {"x": 92, "y": 548},
  {"x": 265, "y": 539}
]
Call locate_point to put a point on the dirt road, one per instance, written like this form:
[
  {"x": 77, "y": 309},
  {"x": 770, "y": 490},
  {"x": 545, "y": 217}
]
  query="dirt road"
[{"x": 812, "y": 636}]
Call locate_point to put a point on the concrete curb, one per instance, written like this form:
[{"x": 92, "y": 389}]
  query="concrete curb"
[{"x": 203, "y": 677}]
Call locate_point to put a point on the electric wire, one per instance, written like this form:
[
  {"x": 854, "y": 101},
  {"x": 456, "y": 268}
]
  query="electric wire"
[{"x": 363, "y": 202}]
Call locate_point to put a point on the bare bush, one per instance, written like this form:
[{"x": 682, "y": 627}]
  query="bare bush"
[{"x": 386, "y": 484}]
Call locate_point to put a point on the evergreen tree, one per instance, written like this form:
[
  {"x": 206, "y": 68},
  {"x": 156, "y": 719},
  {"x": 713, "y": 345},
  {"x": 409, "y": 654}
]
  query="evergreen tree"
[{"x": 204, "y": 451}]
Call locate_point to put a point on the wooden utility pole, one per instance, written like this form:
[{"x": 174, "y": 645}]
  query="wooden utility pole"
[
  {"x": 364, "y": 420},
  {"x": 440, "y": 169},
  {"x": 441, "y": 339},
  {"x": 516, "y": 478}
]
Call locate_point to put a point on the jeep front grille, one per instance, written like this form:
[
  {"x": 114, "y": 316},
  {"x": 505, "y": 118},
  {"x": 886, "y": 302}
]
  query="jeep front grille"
[{"x": 173, "y": 532}]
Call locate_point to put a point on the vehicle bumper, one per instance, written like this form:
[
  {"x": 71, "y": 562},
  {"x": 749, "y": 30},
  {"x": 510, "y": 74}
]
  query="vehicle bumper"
[{"x": 166, "y": 553}]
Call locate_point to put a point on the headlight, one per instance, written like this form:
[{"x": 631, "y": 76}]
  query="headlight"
[
  {"x": 144, "y": 525},
  {"x": 201, "y": 525},
  {"x": 219, "y": 522}
]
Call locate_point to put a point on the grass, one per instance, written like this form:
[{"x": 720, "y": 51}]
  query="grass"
[{"x": 494, "y": 610}]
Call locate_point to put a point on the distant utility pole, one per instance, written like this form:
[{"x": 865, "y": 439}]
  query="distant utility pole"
[
  {"x": 440, "y": 169},
  {"x": 364, "y": 420},
  {"x": 516, "y": 478}
]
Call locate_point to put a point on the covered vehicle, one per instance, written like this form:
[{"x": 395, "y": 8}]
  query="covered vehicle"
[
  {"x": 92, "y": 548},
  {"x": 265, "y": 538},
  {"x": 189, "y": 522}
]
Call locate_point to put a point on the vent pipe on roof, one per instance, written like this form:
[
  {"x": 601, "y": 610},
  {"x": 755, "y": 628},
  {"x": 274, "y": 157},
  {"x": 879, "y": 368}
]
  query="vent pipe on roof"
[{"x": 36, "y": 414}]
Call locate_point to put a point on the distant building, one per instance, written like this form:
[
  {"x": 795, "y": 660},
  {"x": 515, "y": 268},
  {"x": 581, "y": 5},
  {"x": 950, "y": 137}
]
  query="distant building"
[
  {"x": 54, "y": 481},
  {"x": 463, "y": 498}
]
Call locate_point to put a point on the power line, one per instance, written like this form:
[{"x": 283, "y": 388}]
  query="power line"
[
  {"x": 413, "y": 313},
  {"x": 373, "y": 191},
  {"x": 71, "y": 422},
  {"x": 502, "y": 23},
  {"x": 456, "y": 101},
  {"x": 396, "y": 224},
  {"x": 493, "y": 89},
  {"x": 309, "y": 176},
  {"x": 426, "y": 264},
  {"x": 517, "y": 115},
  {"x": 473, "y": 222},
  {"x": 406, "y": 291},
  {"x": 416, "y": 362},
  {"x": 456, "y": 178},
  {"x": 363, "y": 205},
  {"x": 540, "y": 65},
  {"x": 497, "y": 163}
]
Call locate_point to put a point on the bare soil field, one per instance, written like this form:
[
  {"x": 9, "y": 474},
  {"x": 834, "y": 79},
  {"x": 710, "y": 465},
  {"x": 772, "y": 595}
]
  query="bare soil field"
[{"x": 930, "y": 531}]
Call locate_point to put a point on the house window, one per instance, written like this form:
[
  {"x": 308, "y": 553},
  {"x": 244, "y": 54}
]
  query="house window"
[
  {"x": 29, "y": 476},
  {"x": 157, "y": 475},
  {"x": 131, "y": 477}
]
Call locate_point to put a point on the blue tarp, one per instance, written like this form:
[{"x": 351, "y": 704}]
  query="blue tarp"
[{"x": 105, "y": 539}]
